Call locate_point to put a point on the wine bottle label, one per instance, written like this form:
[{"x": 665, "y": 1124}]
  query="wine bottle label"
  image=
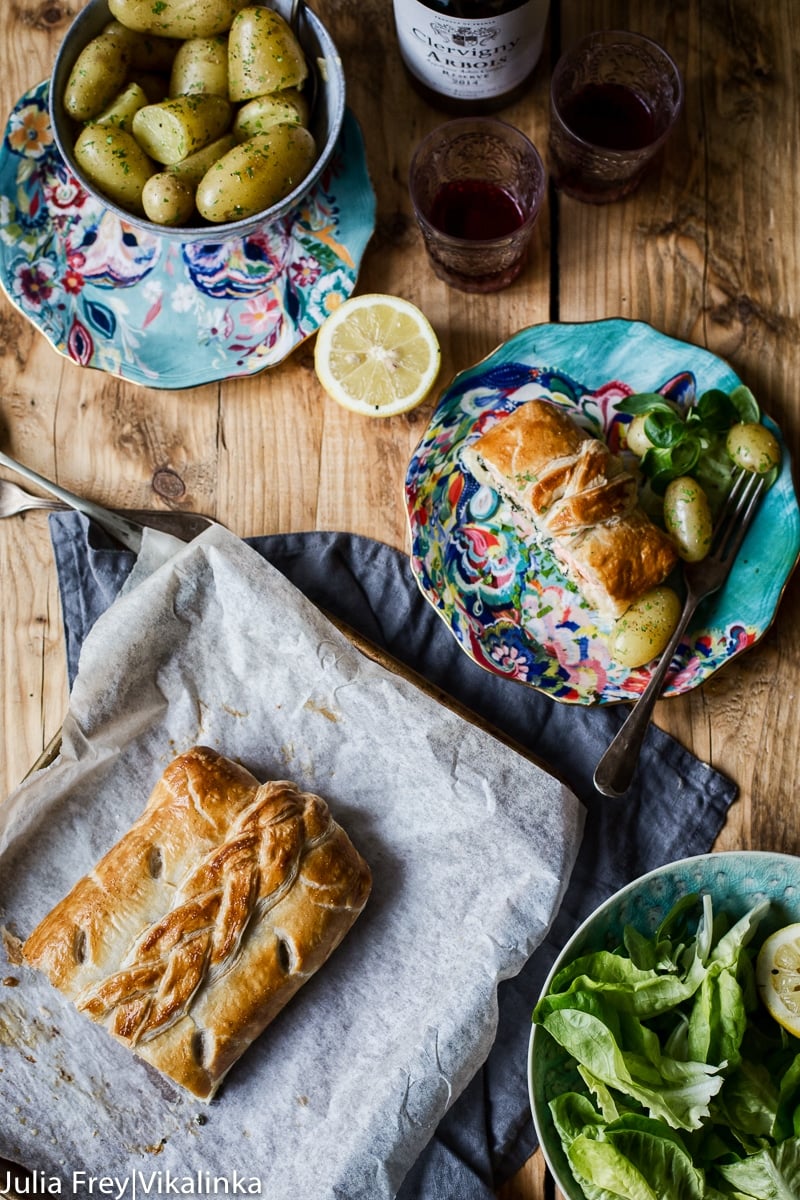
[{"x": 470, "y": 59}]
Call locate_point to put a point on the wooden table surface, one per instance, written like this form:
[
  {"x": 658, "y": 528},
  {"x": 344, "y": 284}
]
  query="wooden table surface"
[{"x": 707, "y": 251}]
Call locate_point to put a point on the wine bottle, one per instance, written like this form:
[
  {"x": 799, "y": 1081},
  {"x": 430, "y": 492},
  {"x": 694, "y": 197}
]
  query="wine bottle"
[{"x": 470, "y": 56}]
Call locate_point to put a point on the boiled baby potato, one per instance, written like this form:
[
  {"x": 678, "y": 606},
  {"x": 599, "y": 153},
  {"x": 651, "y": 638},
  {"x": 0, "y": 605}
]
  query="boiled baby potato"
[
  {"x": 176, "y": 18},
  {"x": 259, "y": 115},
  {"x": 636, "y": 439},
  {"x": 145, "y": 52},
  {"x": 115, "y": 163},
  {"x": 200, "y": 65},
  {"x": 99, "y": 74},
  {"x": 644, "y": 629},
  {"x": 171, "y": 130},
  {"x": 168, "y": 199},
  {"x": 263, "y": 54},
  {"x": 256, "y": 174},
  {"x": 687, "y": 516},
  {"x": 124, "y": 107},
  {"x": 753, "y": 447},
  {"x": 194, "y": 166}
]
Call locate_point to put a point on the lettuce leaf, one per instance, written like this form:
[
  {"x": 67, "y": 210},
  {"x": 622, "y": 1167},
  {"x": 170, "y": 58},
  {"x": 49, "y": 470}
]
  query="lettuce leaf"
[
  {"x": 772, "y": 1174},
  {"x": 644, "y": 992},
  {"x": 677, "y": 1092},
  {"x": 632, "y": 1157},
  {"x": 691, "y": 1090}
]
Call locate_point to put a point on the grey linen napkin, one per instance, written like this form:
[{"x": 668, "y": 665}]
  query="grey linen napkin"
[{"x": 676, "y": 806}]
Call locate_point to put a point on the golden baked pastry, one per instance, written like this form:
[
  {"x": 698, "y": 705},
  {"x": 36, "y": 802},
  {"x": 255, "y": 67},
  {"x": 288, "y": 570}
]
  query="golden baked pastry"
[
  {"x": 567, "y": 490},
  {"x": 197, "y": 927}
]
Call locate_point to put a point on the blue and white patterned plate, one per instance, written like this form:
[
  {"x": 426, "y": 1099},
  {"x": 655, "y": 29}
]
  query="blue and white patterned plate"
[
  {"x": 508, "y": 602},
  {"x": 157, "y": 311}
]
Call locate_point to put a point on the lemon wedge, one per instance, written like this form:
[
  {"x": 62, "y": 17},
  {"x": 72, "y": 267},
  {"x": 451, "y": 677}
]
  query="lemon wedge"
[
  {"x": 377, "y": 355},
  {"x": 778, "y": 976}
]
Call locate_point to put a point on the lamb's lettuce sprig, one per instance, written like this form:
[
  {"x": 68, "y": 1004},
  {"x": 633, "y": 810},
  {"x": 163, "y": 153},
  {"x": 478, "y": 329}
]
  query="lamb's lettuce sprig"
[
  {"x": 690, "y": 440},
  {"x": 689, "y": 1089}
]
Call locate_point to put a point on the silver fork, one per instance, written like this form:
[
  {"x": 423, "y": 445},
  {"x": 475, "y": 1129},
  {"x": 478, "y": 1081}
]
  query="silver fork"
[
  {"x": 183, "y": 524},
  {"x": 14, "y": 500},
  {"x": 127, "y": 532},
  {"x": 616, "y": 768}
]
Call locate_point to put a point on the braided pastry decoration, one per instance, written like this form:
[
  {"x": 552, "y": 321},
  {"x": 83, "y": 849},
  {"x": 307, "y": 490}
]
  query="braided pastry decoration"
[
  {"x": 201, "y": 937},
  {"x": 197, "y": 927}
]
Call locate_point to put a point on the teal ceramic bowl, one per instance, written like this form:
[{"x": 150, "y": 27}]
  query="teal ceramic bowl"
[{"x": 735, "y": 880}]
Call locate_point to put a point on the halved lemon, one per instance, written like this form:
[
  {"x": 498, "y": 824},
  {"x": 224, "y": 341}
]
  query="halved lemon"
[
  {"x": 778, "y": 976},
  {"x": 377, "y": 355}
]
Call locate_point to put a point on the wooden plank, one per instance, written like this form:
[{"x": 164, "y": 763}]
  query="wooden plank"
[
  {"x": 34, "y": 695},
  {"x": 31, "y": 645},
  {"x": 529, "y": 1182}
]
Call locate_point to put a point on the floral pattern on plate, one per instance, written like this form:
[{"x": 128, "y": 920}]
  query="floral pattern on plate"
[
  {"x": 157, "y": 311},
  {"x": 506, "y": 600}
]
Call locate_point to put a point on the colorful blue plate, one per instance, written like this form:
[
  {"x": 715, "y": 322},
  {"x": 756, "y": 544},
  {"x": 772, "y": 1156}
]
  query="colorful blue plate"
[
  {"x": 507, "y": 602},
  {"x": 158, "y": 311}
]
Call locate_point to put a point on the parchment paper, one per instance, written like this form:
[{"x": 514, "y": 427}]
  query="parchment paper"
[{"x": 470, "y": 846}]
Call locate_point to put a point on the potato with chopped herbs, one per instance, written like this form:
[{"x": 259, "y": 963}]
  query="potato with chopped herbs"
[
  {"x": 168, "y": 199},
  {"x": 145, "y": 52},
  {"x": 100, "y": 72},
  {"x": 263, "y": 54},
  {"x": 687, "y": 517},
  {"x": 643, "y": 631},
  {"x": 176, "y": 18},
  {"x": 194, "y": 166},
  {"x": 124, "y": 107},
  {"x": 753, "y": 447},
  {"x": 256, "y": 174},
  {"x": 259, "y": 115},
  {"x": 200, "y": 65},
  {"x": 115, "y": 163},
  {"x": 175, "y": 128}
]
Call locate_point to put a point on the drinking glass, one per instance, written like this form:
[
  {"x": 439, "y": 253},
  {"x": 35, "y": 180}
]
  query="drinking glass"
[
  {"x": 477, "y": 186},
  {"x": 614, "y": 98}
]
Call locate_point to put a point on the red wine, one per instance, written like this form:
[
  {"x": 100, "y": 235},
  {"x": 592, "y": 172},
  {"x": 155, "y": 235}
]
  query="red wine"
[
  {"x": 475, "y": 210},
  {"x": 610, "y": 115},
  {"x": 470, "y": 56}
]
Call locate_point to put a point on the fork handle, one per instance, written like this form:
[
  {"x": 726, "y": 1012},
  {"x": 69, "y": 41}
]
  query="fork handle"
[
  {"x": 128, "y": 533},
  {"x": 615, "y": 770}
]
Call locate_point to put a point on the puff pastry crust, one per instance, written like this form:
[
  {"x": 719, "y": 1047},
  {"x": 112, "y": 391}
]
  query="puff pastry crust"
[
  {"x": 567, "y": 489},
  {"x": 200, "y": 924}
]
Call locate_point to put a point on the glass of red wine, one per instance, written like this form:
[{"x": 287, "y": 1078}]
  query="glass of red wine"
[
  {"x": 614, "y": 98},
  {"x": 477, "y": 185}
]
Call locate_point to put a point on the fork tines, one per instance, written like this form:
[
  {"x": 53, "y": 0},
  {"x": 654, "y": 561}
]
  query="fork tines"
[{"x": 737, "y": 512}]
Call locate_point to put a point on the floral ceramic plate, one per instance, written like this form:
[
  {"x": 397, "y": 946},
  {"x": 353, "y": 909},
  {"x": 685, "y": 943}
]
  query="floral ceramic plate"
[
  {"x": 157, "y": 311},
  {"x": 506, "y": 601}
]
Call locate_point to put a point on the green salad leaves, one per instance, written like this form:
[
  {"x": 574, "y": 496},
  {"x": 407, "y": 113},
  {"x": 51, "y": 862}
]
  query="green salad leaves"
[
  {"x": 685, "y": 1088},
  {"x": 691, "y": 441}
]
